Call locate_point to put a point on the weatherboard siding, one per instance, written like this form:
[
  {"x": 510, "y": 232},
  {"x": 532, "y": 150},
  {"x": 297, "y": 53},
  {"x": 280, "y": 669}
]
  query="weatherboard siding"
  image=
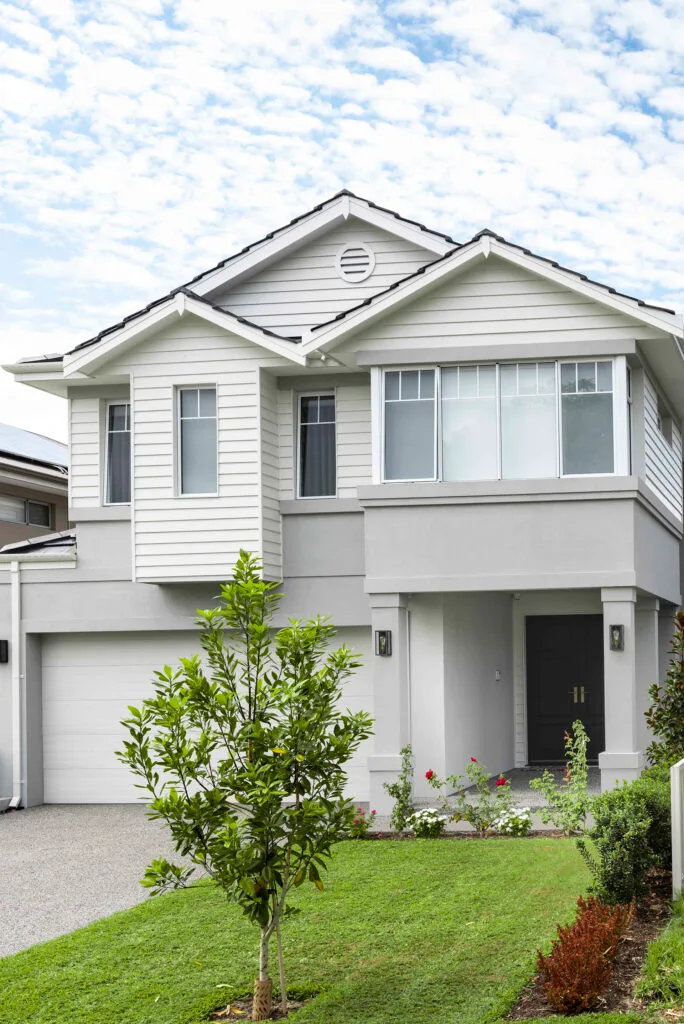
[
  {"x": 84, "y": 452},
  {"x": 304, "y": 288},
  {"x": 197, "y": 537},
  {"x": 662, "y": 460},
  {"x": 496, "y": 302},
  {"x": 271, "y": 533}
]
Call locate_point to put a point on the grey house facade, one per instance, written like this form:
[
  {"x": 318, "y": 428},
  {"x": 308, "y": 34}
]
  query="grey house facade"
[{"x": 465, "y": 454}]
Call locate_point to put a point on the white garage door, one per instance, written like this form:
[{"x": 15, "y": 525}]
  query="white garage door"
[{"x": 88, "y": 682}]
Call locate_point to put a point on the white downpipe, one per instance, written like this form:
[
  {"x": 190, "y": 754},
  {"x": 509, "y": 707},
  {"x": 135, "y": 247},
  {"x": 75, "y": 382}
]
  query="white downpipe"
[
  {"x": 17, "y": 678},
  {"x": 677, "y": 810}
]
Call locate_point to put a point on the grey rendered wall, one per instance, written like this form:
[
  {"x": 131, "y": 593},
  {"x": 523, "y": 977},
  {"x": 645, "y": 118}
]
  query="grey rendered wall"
[
  {"x": 5, "y": 698},
  {"x": 656, "y": 552},
  {"x": 478, "y": 643}
]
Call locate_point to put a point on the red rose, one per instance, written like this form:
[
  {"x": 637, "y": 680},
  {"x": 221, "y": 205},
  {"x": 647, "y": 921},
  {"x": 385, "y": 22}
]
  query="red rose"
[
  {"x": 429, "y": 773},
  {"x": 501, "y": 781},
  {"x": 474, "y": 760}
]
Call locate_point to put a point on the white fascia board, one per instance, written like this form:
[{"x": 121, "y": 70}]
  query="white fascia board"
[
  {"x": 670, "y": 323},
  {"x": 409, "y": 232},
  {"x": 94, "y": 356},
  {"x": 262, "y": 252}
]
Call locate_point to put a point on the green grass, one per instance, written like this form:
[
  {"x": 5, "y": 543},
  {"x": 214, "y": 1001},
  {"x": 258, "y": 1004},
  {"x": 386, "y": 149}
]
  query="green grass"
[
  {"x": 663, "y": 975},
  {"x": 418, "y": 932}
]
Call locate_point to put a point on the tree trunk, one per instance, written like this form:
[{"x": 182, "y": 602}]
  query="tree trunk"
[
  {"x": 281, "y": 968},
  {"x": 263, "y": 985}
]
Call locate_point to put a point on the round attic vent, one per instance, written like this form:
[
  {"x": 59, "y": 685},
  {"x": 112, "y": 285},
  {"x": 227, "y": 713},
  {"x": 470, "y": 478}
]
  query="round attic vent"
[{"x": 355, "y": 263}]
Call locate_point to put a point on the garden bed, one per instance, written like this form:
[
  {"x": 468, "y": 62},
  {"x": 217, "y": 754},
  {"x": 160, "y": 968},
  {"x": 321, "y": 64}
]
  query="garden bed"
[{"x": 652, "y": 914}]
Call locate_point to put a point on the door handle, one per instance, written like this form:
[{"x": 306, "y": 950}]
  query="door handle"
[
  {"x": 582, "y": 694},
  {"x": 574, "y": 694}
]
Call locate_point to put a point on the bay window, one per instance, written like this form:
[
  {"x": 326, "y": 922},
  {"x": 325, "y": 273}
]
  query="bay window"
[{"x": 505, "y": 421}]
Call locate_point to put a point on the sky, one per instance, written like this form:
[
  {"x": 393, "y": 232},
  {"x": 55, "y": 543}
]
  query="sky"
[{"x": 141, "y": 141}]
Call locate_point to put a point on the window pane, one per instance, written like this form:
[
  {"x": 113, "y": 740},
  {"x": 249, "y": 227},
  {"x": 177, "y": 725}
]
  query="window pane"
[
  {"x": 317, "y": 460},
  {"x": 118, "y": 419},
  {"x": 392, "y": 385},
  {"x": 487, "y": 381},
  {"x": 467, "y": 382},
  {"x": 568, "y": 378},
  {"x": 528, "y": 437},
  {"x": 586, "y": 377},
  {"x": 309, "y": 409},
  {"x": 450, "y": 382},
  {"x": 605, "y": 378},
  {"x": 207, "y": 402},
  {"x": 587, "y": 433},
  {"x": 469, "y": 439},
  {"x": 547, "y": 378},
  {"x": 198, "y": 456},
  {"x": 12, "y": 510},
  {"x": 427, "y": 383},
  {"x": 509, "y": 379},
  {"x": 410, "y": 440},
  {"x": 326, "y": 409},
  {"x": 527, "y": 379},
  {"x": 119, "y": 467},
  {"x": 409, "y": 383},
  {"x": 188, "y": 403},
  {"x": 39, "y": 514}
]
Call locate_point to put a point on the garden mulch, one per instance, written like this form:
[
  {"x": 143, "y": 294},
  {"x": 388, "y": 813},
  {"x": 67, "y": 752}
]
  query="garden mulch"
[
  {"x": 241, "y": 1009},
  {"x": 652, "y": 914}
]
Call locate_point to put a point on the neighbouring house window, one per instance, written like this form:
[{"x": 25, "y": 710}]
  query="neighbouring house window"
[
  {"x": 529, "y": 446},
  {"x": 469, "y": 423},
  {"x": 507, "y": 421},
  {"x": 587, "y": 417},
  {"x": 118, "y": 453},
  {"x": 317, "y": 446},
  {"x": 410, "y": 423},
  {"x": 25, "y": 512},
  {"x": 198, "y": 462}
]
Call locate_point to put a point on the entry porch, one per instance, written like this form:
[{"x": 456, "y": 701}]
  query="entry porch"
[{"x": 501, "y": 677}]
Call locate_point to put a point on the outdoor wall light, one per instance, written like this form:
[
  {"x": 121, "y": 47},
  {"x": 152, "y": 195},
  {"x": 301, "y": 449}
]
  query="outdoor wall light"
[
  {"x": 617, "y": 638},
  {"x": 383, "y": 642},
  {"x": 4, "y": 652}
]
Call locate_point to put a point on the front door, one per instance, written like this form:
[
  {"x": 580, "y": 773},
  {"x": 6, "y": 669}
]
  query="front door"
[{"x": 564, "y": 657}]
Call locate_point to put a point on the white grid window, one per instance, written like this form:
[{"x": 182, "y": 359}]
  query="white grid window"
[
  {"x": 118, "y": 469},
  {"x": 410, "y": 422},
  {"x": 317, "y": 459},
  {"x": 198, "y": 440}
]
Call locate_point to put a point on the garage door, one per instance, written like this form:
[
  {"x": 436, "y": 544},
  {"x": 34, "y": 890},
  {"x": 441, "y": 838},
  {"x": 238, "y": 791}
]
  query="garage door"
[{"x": 88, "y": 682}]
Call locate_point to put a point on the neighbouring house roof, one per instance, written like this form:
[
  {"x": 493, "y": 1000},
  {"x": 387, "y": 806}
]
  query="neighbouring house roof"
[
  {"x": 53, "y": 543},
  {"x": 30, "y": 447}
]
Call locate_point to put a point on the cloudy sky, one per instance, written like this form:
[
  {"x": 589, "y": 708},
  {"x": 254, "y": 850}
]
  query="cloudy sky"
[{"x": 142, "y": 140}]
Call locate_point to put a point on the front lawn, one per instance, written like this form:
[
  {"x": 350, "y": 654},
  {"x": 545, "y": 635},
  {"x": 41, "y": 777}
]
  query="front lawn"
[{"x": 420, "y": 932}]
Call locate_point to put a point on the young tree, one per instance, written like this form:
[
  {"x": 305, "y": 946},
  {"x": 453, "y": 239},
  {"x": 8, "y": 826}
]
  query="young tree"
[
  {"x": 665, "y": 716},
  {"x": 245, "y": 761}
]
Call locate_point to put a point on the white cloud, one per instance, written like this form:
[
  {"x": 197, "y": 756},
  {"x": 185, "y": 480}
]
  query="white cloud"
[{"x": 140, "y": 142}]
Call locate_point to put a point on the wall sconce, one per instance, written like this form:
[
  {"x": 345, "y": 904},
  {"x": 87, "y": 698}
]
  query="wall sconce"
[
  {"x": 4, "y": 652},
  {"x": 617, "y": 638},
  {"x": 383, "y": 642}
]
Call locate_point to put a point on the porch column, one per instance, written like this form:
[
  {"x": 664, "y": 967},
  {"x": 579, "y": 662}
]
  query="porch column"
[
  {"x": 647, "y": 662},
  {"x": 622, "y": 759},
  {"x": 390, "y": 696}
]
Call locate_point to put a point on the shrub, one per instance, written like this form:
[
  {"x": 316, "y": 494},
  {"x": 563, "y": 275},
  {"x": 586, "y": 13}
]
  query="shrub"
[
  {"x": 568, "y": 804},
  {"x": 488, "y": 803},
  {"x": 665, "y": 716},
  {"x": 361, "y": 823},
  {"x": 620, "y": 835},
  {"x": 578, "y": 968},
  {"x": 427, "y": 824},
  {"x": 401, "y": 791},
  {"x": 516, "y": 821},
  {"x": 654, "y": 787}
]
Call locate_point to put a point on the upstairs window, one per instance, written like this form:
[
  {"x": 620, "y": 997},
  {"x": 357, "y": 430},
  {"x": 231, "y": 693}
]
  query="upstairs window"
[
  {"x": 198, "y": 440},
  {"x": 587, "y": 417},
  {"x": 410, "y": 424},
  {"x": 118, "y": 469},
  {"x": 25, "y": 512},
  {"x": 317, "y": 447}
]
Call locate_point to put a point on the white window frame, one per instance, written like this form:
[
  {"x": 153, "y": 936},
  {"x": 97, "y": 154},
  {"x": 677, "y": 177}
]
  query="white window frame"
[
  {"x": 321, "y": 393},
  {"x": 105, "y": 489},
  {"x": 621, "y": 455},
  {"x": 437, "y": 418},
  {"x": 178, "y": 447}
]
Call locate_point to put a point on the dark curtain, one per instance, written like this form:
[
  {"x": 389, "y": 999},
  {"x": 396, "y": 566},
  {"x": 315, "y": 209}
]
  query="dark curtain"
[
  {"x": 317, "y": 460},
  {"x": 119, "y": 468}
]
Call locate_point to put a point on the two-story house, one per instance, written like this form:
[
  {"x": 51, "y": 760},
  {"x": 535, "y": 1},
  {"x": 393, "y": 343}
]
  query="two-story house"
[{"x": 467, "y": 455}]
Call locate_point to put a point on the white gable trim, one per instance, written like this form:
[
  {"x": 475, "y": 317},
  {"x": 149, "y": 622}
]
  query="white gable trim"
[
  {"x": 311, "y": 225},
  {"x": 485, "y": 246},
  {"x": 91, "y": 358}
]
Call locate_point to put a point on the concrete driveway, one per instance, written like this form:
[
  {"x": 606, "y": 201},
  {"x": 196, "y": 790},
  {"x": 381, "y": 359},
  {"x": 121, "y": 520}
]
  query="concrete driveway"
[{"x": 62, "y": 867}]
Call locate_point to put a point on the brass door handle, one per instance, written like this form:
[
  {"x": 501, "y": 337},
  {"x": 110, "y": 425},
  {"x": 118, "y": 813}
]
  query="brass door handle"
[{"x": 582, "y": 694}]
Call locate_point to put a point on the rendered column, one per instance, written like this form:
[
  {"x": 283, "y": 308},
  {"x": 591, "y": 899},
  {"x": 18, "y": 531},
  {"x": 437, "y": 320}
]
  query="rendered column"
[
  {"x": 647, "y": 667},
  {"x": 622, "y": 758},
  {"x": 390, "y": 697}
]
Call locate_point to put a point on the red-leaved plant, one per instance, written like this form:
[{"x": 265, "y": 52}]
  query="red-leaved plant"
[{"x": 578, "y": 968}]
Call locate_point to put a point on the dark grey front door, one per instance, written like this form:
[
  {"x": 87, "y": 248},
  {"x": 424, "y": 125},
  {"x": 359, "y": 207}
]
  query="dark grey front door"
[{"x": 564, "y": 658}]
